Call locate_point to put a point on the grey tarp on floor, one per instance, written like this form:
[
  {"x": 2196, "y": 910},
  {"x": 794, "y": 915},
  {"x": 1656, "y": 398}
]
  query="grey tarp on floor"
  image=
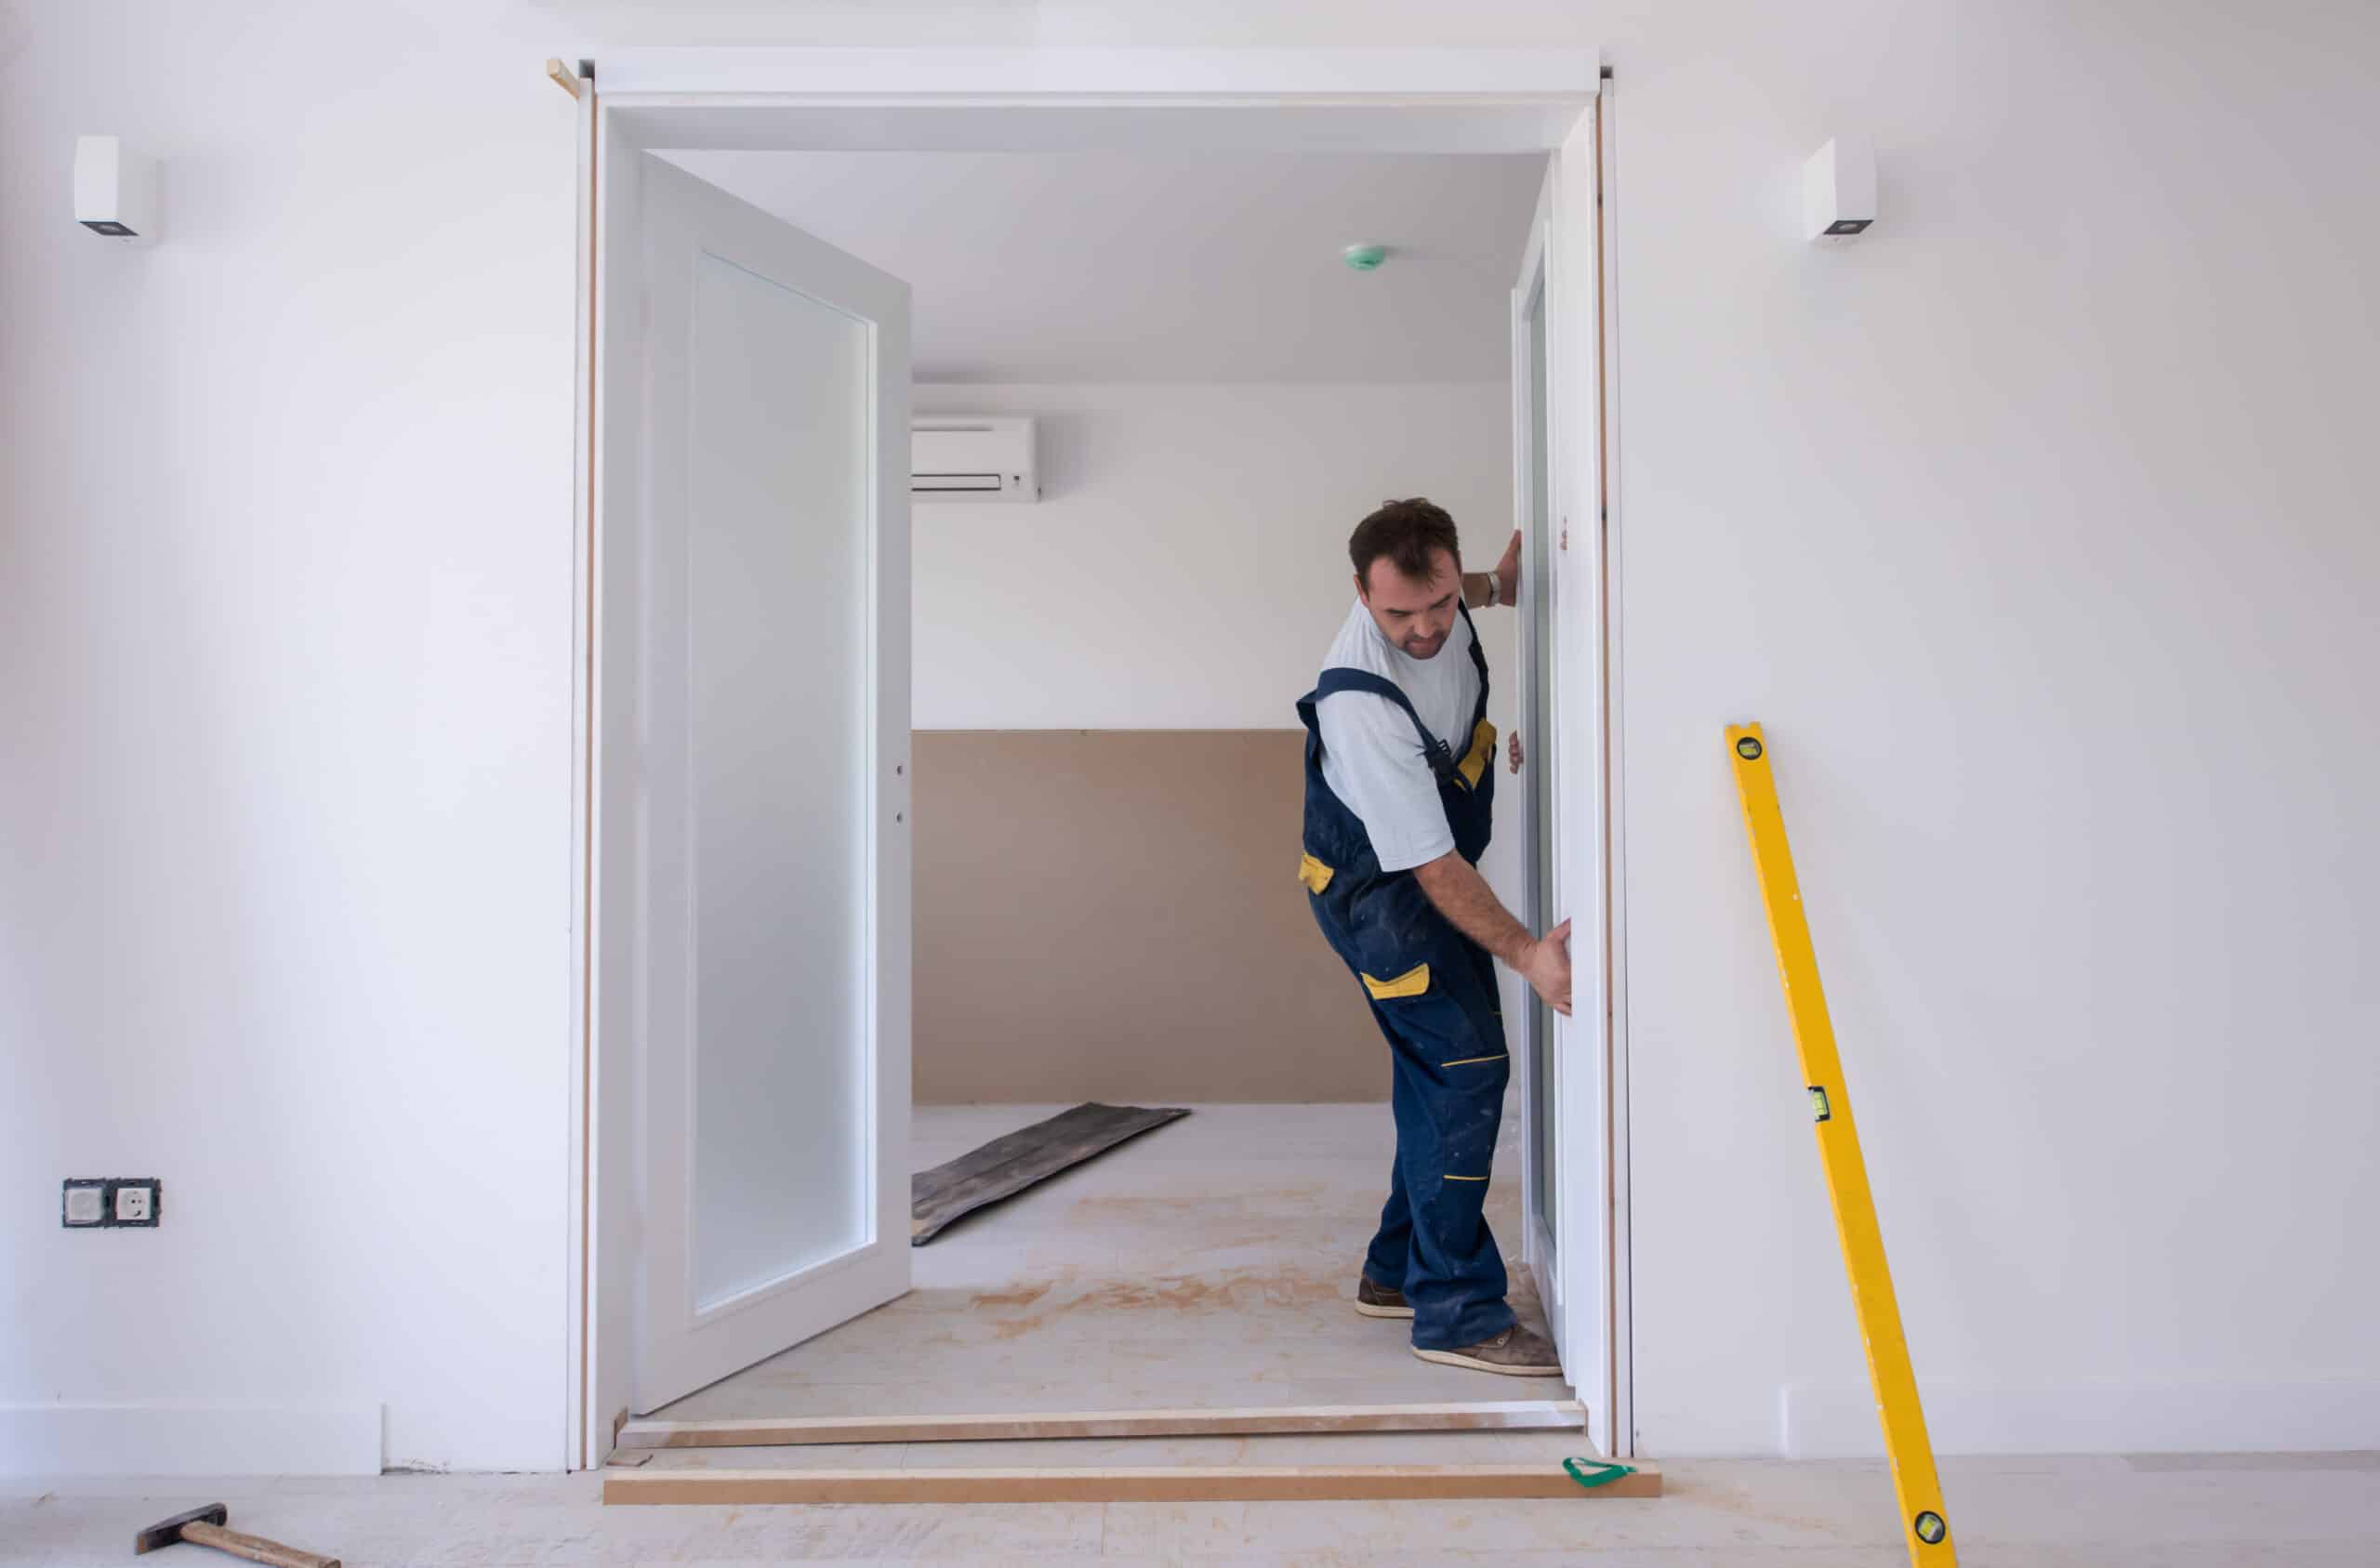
[{"x": 1009, "y": 1164}]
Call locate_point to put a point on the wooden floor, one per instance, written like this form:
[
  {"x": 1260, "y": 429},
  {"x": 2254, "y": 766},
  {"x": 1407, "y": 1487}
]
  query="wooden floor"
[
  {"x": 2317, "y": 1510},
  {"x": 1209, "y": 1263}
]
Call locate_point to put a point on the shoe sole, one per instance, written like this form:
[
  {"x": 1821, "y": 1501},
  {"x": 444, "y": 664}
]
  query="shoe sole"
[
  {"x": 1371, "y": 1310},
  {"x": 1456, "y": 1358}
]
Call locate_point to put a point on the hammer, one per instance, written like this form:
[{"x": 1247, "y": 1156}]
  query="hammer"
[{"x": 205, "y": 1527}]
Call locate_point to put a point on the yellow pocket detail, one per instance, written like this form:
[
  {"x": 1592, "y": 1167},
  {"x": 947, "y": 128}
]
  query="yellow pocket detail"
[
  {"x": 1412, "y": 983},
  {"x": 1483, "y": 752},
  {"x": 1314, "y": 873}
]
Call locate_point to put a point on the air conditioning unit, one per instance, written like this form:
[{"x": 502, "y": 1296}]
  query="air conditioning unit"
[{"x": 971, "y": 459}]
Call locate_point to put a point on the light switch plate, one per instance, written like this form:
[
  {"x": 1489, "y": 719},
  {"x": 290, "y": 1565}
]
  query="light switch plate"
[
  {"x": 86, "y": 1202},
  {"x": 110, "y": 1203}
]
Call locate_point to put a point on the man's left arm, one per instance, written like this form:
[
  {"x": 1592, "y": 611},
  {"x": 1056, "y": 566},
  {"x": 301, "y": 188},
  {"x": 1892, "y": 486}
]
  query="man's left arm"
[{"x": 1500, "y": 586}]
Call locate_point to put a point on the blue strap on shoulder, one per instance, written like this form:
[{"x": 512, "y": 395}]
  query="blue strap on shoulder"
[{"x": 1340, "y": 677}]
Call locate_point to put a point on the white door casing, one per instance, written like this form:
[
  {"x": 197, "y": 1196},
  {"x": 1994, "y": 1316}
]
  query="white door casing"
[
  {"x": 1566, "y": 1103},
  {"x": 1035, "y": 100},
  {"x": 753, "y": 592}
]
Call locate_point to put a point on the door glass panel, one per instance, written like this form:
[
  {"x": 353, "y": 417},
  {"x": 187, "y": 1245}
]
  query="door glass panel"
[
  {"x": 778, "y": 500},
  {"x": 1537, "y": 728}
]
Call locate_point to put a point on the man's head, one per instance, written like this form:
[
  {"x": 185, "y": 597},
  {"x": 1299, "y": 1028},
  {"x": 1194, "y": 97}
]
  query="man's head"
[{"x": 1409, "y": 573}]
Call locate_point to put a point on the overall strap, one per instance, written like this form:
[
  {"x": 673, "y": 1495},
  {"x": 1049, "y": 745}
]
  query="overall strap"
[
  {"x": 1478, "y": 662},
  {"x": 1340, "y": 677}
]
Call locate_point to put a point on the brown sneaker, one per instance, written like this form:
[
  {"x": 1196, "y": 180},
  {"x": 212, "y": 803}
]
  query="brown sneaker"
[
  {"x": 1379, "y": 1302},
  {"x": 1517, "y": 1352}
]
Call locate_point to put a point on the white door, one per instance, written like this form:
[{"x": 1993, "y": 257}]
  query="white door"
[
  {"x": 754, "y": 602},
  {"x": 1540, "y": 1196},
  {"x": 1566, "y": 1181}
]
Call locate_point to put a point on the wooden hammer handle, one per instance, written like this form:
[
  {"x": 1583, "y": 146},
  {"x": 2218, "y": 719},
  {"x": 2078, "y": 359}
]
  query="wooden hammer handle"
[{"x": 255, "y": 1548}]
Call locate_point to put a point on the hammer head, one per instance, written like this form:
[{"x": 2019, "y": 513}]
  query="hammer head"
[{"x": 165, "y": 1532}]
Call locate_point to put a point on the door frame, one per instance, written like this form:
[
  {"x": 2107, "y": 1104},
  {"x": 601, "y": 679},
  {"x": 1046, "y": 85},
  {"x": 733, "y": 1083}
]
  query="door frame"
[
  {"x": 1401, "y": 100},
  {"x": 1565, "y": 268}
]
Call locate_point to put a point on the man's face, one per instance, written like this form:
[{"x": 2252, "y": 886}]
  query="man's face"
[{"x": 1416, "y": 617}]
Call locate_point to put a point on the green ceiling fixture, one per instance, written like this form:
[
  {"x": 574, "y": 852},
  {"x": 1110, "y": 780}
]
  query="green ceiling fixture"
[{"x": 1364, "y": 258}]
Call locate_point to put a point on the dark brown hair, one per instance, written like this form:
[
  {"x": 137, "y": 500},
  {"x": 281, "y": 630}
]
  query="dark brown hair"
[{"x": 1408, "y": 533}]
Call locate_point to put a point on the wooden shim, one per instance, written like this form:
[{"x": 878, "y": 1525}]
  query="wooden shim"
[
  {"x": 1183, "y": 1484},
  {"x": 1008, "y": 1165},
  {"x": 1515, "y": 1416}
]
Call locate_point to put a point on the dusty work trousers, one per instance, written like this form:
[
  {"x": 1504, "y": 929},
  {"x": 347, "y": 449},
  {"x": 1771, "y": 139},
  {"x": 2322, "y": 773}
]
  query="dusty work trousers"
[{"x": 1448, "y": 1046}]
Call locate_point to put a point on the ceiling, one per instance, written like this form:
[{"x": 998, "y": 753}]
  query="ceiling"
[{"x": 1207, "y": 267}]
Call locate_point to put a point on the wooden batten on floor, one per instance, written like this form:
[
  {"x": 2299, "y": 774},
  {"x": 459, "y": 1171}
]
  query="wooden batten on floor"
[
  {"x": 1185, "y": 1483},
  {"x": 1510, "y": 1415}
]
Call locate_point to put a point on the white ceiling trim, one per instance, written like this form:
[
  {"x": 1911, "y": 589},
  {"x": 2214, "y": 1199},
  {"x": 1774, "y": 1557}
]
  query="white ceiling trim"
[
  {"x": 696, "y": 122},
  {"x": 1117, "y": 76}
]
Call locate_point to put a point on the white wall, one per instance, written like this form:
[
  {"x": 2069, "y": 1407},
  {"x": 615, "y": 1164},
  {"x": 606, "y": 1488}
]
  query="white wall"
[
  {"x": 2028, "y": 525},
  {"x": 1186, "y": 567},
  {"x": 284, "y": 726},
  {"x": 2038, "y": 529}
]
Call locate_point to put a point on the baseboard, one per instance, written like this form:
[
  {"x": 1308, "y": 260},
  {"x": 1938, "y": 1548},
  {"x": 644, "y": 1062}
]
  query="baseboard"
[
  {"x": 134, "y": 1440},
  {"x": 1839, "y": 1421}
]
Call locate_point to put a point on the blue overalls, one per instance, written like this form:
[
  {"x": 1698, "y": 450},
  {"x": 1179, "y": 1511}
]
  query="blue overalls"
[{"x": 1432, "y": 992}]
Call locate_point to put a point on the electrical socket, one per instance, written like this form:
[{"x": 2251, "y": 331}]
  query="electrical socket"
[{"x": 111, "y": 1202}]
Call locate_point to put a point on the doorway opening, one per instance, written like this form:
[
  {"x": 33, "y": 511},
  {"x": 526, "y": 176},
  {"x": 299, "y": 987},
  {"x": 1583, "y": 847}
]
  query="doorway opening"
[{"x": 1094, "y": 785}]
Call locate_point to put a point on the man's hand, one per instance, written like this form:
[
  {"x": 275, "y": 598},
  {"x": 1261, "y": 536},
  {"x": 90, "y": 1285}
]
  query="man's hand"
[
  {"x": 1508, "y": 572},
  {"x": 1546, "y": 967},
  {"x": 1516, "y": 751},
  {"x": 1464, "y": 898}
]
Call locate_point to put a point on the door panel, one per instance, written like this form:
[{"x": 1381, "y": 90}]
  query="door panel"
[{"x": 754, "y": 588}]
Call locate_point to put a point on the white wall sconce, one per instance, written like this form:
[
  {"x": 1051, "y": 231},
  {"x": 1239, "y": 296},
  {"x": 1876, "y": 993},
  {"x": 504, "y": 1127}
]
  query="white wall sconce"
[
  {"x": 115, "y": 191},
  {"x": 1839, "y": 190}
]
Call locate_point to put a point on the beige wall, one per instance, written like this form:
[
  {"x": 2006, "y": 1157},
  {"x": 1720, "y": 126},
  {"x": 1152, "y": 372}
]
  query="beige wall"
[{"x": 1114, "y": 914}]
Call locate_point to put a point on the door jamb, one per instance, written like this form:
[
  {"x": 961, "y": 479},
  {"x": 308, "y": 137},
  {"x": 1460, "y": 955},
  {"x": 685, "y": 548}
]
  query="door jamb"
[
  {"x": 1620, "y": 1278},
  {"x": 666, "y": 85}
]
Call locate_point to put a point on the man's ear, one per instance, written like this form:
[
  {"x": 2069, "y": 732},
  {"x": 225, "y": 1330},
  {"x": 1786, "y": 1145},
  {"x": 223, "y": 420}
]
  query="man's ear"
[{"x": 1363, "y": 591}]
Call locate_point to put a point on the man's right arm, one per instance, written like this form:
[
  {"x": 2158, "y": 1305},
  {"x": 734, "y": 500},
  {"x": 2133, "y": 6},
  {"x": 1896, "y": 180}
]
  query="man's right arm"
[
  {"x": 1390, "y": 788},
  {"x": 1464, "y": 897}
]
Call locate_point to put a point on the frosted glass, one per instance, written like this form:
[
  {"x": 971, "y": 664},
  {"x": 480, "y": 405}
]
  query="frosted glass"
[
  {"x": 1537, "y": 725},
  {"x": 777, "y": 499}
]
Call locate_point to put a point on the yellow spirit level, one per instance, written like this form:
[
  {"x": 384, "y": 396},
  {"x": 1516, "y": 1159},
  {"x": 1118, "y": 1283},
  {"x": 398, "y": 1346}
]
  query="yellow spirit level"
[{"x": 1920, "y": 1490}]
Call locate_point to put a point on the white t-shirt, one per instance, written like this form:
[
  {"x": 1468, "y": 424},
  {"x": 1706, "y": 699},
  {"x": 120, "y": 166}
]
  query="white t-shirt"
[{"x": 1371, "y": 759}]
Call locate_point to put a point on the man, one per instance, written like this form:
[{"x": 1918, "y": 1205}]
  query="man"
[{"x": 1399, "y": 780}]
